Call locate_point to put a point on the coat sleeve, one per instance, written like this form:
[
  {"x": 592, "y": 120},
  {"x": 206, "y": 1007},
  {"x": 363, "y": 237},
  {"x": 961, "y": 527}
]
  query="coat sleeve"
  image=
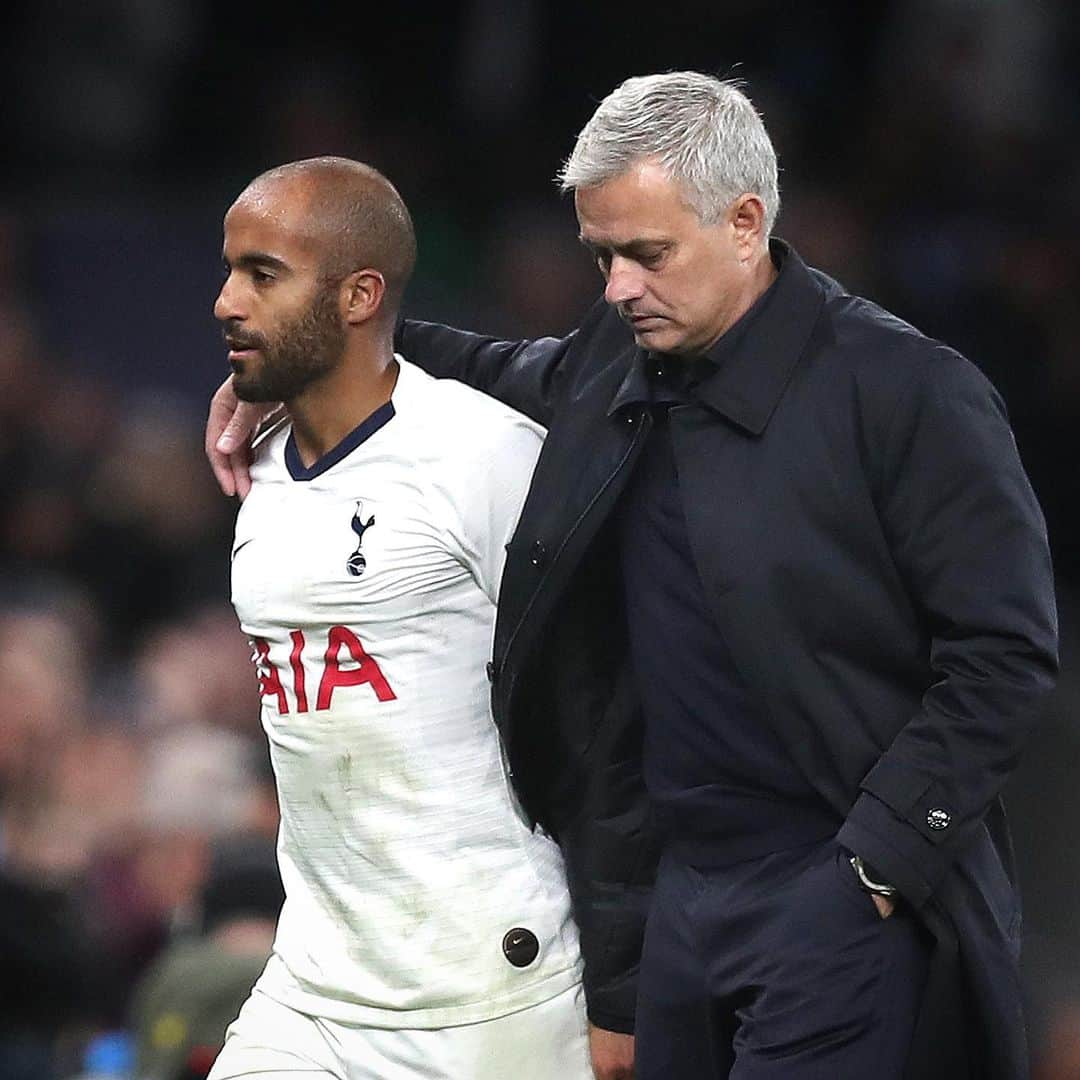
[
  {"x": 968, "y": 538},
  {"x": 611, "y": 852},
  {"x": 575, "y": 750},
  {"x": 522, "y": 374}
]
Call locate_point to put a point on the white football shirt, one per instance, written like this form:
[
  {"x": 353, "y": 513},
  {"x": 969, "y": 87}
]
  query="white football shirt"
[{"x": 367, "y": 584}]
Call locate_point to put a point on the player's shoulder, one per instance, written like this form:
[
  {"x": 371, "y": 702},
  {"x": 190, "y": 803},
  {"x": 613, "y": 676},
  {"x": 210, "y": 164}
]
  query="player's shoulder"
[{"x": 445, "y": 409}]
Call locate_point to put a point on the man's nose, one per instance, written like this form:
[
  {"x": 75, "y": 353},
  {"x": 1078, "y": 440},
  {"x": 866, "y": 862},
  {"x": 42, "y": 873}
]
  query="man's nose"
[
  {"x": 624, "y": 281},
  {"x": 227, "y": 304}
]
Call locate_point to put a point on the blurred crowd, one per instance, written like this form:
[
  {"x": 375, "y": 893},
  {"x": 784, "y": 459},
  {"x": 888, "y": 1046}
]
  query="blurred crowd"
[
  {"x": 129, "y": 749},
  {"x": 930, "y": 160}
]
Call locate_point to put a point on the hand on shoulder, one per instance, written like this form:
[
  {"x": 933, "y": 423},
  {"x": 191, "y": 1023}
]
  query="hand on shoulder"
[{"x": 229, "y": 427}]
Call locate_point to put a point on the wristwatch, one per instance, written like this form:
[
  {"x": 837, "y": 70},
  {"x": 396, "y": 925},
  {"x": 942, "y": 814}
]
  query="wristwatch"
[{"x": 867, "y": 879}]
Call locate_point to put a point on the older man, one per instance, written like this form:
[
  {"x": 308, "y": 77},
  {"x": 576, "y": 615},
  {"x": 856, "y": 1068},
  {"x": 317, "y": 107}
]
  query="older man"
[{"x": 796, "y": 535}]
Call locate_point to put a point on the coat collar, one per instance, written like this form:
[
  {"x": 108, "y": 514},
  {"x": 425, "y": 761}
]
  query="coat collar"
[{"x": 750, "y": 379}]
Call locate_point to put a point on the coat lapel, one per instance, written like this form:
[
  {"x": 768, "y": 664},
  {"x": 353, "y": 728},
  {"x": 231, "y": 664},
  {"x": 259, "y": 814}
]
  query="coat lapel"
[{"x": 748, "y": 384}]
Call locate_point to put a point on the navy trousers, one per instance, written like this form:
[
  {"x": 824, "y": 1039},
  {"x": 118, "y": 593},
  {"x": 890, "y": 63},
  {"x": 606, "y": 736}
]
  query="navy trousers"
[{"x": 777, "y": 968}]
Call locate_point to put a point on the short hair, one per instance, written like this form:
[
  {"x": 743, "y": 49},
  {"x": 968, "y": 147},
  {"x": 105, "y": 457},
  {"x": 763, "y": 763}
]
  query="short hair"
[
  {"x": 359, "y": 214},
  {"x": 704, "y": 132}
]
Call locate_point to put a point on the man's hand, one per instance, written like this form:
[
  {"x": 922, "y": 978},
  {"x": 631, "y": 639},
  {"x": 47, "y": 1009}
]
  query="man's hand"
[
  {"x": 612, "y": 1054},
  {"x": 884, "y": 904},
  {"x": 228, "y": 438}
]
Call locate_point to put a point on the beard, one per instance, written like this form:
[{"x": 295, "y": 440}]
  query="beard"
[{"x": 302, "y": 351}]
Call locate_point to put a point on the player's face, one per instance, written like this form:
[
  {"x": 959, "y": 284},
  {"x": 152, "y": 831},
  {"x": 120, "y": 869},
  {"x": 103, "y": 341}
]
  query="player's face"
[
  {"x": 279, "y": 316},
  {"x": 675, "y": 281}
]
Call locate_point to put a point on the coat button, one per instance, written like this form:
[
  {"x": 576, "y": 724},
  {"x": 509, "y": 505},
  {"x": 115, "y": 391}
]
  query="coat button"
[
  {"x": 520, "y": 947},
  {"x": 492, "y": 670},
  {"x": 938, "y": 818},
  {"x": 538, "y": 553}
]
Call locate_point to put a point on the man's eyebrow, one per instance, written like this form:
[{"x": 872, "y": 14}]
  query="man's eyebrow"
[
  {"x": 629, "y": 247},
  {"x": 257, "y": 258}
]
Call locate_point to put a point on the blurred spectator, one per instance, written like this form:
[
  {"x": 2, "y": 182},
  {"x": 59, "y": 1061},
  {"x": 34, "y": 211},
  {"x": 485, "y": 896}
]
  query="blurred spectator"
[
  {"x": 197, "y": 669},
  {"x": 48, "y": 979},
  {"x": 195, "y": 988},
  {"x": 47, "y": 984},
  {"x": 539, "y": 280},
  {"x": 156, "y": 540},
  {"x": 43, "y": 669},
  {"x": 199, "y": 785}
]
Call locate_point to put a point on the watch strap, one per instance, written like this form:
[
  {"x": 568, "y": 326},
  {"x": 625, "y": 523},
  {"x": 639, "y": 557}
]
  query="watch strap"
[{"x": 868, "y": 878}]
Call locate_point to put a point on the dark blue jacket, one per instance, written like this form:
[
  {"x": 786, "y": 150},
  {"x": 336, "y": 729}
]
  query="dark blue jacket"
[{"x": 878, "y": 564}]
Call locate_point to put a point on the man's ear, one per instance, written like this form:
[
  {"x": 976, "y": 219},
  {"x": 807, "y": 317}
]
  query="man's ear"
[
  {"x": 363, "y": 292},
  {"x": 747, "y": 218}
]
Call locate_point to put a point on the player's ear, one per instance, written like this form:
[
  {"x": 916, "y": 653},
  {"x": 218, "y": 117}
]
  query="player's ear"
[
  {"x": 363, "y": 295},
  {"x": 746, "y": 216}
]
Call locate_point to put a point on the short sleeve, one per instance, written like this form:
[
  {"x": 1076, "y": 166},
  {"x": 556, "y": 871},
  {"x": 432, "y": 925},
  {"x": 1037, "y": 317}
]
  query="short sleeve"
[{"x": 490, "y": 494}]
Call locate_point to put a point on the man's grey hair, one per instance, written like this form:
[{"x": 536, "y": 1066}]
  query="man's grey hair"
[{"x": 703, "y": 131}]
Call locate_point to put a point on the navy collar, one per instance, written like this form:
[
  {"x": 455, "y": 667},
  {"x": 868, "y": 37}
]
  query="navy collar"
[{"x": 379, "y": 418}]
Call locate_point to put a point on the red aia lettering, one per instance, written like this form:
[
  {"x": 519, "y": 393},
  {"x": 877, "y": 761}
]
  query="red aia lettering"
[
  {"x": 297, "y": 666},
  {"x": 367, "y": 672},
  {"x": 269, "y": 683}
]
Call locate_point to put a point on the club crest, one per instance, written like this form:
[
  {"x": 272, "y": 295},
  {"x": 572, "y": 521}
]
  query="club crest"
[{"x": 356, "y": 562}]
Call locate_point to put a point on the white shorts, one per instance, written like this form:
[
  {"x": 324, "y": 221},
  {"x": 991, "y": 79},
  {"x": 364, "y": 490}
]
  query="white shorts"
[{"x": 548, "y": 1041}]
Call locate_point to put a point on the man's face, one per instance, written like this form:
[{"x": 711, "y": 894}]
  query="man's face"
[
  {"x": 675, "y": 281},
  {"x": 279, "y": 317}
]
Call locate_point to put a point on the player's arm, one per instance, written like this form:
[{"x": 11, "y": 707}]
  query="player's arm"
[
  {"x": 530, "y": 376},
  {"x": 968, "y": 537},
  {"x": 522, "y": 374}
]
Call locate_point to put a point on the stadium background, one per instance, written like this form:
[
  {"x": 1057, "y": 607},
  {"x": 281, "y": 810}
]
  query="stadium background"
[{"x": 930, "y": 159}]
